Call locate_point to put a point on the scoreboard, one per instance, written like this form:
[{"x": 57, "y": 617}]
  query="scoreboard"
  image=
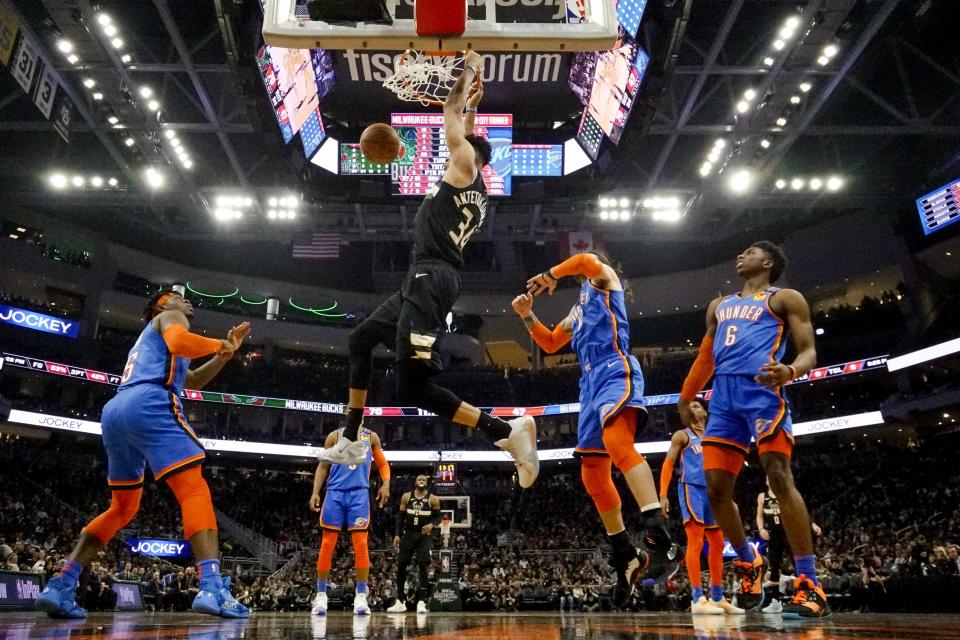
[
  {"x": 629, "y": 15},
  {"x": 538, "y": 160},
  {"x": 590, "y": 134},
  {"x": 446, "y": 474},
  {"x": 424, "y": 152},
  {"x": 354, "y": 163},
  {"x": 939, "y": 208}
]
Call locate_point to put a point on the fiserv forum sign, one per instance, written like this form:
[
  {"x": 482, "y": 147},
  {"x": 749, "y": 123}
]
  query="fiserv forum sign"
[{"x": 39, "y": 321}]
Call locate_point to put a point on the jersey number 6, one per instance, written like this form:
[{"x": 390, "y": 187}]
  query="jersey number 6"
[{"x": 731, "y": 335}]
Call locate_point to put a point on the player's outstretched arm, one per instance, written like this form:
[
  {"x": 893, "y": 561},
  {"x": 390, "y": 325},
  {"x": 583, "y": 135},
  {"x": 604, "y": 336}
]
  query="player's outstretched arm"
[
  {"x": 549, "y": 341},
  {"x": 200, "y": 377},
  {"x": 462, "y": 170},
  {"x": 323, "y": 470},
  {"x": 702, "y": 368},
  {"x": 677, "y": 443},
  {"x": 587, "y": 265},
  {"x": 473, "y": 103},
  {"x": 790, "y": 305}
]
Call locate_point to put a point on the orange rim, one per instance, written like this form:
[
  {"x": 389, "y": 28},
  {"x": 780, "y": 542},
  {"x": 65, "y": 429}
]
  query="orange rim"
[{"x": 425, "y": 98}]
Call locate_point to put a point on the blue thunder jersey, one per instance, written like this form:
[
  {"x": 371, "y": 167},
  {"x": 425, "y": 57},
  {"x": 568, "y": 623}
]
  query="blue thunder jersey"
[
  {"x": 601, "y": 330},
  {"x": 355, "y": 476},
  {"x": 749, "y": 334},
  {"x": 691, "y": 459},
  {"x": 150, "y": 362}
]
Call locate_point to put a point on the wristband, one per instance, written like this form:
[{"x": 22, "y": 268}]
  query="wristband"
[
  {"x": 793, "y": 371},
  {"x": 550, "y": 275},
  {"x": 472, "y": 68},
  {"x": 469, "y": 110}
]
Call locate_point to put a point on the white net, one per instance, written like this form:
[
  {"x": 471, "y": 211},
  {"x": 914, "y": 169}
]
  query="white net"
[{"x": 425, "y": 78}]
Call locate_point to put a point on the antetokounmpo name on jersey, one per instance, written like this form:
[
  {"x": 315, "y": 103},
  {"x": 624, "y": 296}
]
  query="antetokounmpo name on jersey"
[{"x": 475, "y": 198}]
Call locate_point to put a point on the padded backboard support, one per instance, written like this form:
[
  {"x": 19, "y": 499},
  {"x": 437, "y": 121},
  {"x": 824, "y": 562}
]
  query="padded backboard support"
[
  {"x": 593, "y": 27},
  {"x": 440, "y": 18}
]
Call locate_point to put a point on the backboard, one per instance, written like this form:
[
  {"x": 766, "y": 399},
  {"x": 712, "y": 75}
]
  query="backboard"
[{"x": 492, "y": 25}]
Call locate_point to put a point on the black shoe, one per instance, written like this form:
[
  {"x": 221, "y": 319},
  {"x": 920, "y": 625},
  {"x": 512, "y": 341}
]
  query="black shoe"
[
  {"x": 628, "y": 567},
  {"x": 662, "y": 563}
]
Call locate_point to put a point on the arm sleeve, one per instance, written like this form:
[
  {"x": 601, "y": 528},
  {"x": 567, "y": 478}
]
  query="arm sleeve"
[
  {"x": 666, "y": 476},
  {"x": 700, "y": 372},
  {"x": 582, "y": 264},
  {"x": 550, "y": 341},
  {"x": 435, "y": 516},
  {"x": 189, "y": 345},
  {"x": 383, "y": 467},
  {"x": 398, "y": 527}
]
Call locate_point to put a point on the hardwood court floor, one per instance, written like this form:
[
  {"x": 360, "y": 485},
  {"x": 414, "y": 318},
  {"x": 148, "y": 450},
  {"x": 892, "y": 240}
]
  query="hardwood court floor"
[{"x": 469, "y": 626}]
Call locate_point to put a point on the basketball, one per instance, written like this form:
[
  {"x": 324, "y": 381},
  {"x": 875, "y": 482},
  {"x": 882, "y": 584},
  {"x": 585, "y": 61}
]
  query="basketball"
[{"x": 380, "y": 143}]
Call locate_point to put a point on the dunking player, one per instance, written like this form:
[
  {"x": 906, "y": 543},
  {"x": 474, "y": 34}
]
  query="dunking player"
[
  {"x": 698, "y": 520},
  {"x": 742, "y": 347},
  {"x": 418, "y": 517},
  {"x": 411, "y": 321},
  {"x": 144, "y": 424},
  {"x": 611, "y": 410},
  {"x": 347, "y": 504},
  {"x": 770, "y": 526}
]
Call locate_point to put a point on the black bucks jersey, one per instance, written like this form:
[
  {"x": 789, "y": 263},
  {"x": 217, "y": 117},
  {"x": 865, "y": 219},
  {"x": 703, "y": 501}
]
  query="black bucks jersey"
[{"x": 446, "y": 220}]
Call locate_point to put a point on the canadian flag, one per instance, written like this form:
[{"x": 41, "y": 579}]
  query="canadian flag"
[{"x": 577, "y": 242}]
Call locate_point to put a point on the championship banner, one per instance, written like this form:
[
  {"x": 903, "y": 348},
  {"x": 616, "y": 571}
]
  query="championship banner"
[
  {"x": 45, "y": 366},
  {"x": 8, "y": 35},
  {"x": 24, "y": 66}
]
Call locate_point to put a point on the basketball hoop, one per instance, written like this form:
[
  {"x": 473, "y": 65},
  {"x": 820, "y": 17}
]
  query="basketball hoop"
[
  {"x": 426, "y": 77},
  {"x": 445, "y": 531}
]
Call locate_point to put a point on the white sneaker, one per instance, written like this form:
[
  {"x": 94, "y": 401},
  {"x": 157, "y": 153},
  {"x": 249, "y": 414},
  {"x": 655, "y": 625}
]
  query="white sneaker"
[
  {"x": 704, "y": 607},
  {"x": 422, "y": 607},
  {"x": 397, "y": 607},
  {"x": 360, "y": 607},
  {"x": 727, "y": 607},
  {"x": 522, "y": 445},
  {"x": 774, "y": 608},
  {"x": 320, "y": 604},
  {"x": 345, "y": 451}
]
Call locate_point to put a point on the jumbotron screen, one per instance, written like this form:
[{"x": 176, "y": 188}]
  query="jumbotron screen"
[
  {"x": 537, "y": 160},
  {"x": 354, "y": 163},
  {"x": 424, "y": 154},
  {"x": 939, "y": 208}
]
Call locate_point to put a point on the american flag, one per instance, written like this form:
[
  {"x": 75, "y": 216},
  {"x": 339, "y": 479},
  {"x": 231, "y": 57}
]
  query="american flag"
[{"x": 317, "y": 246}]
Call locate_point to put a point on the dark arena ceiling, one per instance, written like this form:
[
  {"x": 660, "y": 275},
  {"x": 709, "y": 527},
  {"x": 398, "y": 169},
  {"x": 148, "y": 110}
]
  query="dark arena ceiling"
[{"x": 880, "y": 114}]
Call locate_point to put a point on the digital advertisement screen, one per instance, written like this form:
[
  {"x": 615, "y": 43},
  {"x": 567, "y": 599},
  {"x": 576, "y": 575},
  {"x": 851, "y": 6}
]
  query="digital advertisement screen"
[
  {"x": 129, "y": 597},
  {"x": 312, "y": 133},
  {"x": 616, "y": 82},
  {"x": 629, "y": 15},
  {"x": 537, "y": 160},
  {"x": 424, "y": 153},
  {"x": 939, "y": 208},
  {"x": 354, "y": 163},
  {"x": 18, "y": 591},
  {"x": 590, "y": 135}
]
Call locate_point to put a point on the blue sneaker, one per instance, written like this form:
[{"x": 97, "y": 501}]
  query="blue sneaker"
[
  {"x": 59, "y": 601},
  {"x": 219, "y": 603}
]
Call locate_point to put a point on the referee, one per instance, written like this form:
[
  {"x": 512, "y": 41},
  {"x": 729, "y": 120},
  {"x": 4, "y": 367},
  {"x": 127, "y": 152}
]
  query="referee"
[{"x": 418, "y": 516}]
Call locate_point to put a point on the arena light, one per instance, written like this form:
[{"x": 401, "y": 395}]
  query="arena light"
[
  {"x": 73, "y": 58},
  {"x": 765, "y": 143},
  {"x": 768, "y": 61},
  {"x": 780, "y": 184},
  {"x": 129, "y": 142},
  {"x": 743, "y": 106},
  {"x": 781, "y": 121},
  {"x": 170, "y": 134},
  {"x": 823, "y": 61},
  {"x": 58, "y": 181},
  {"x": 89, "y": 83},
  {"x": 604, "y": 215},
  {"x": 188, "y": 164},
  {"x": 77, "y": 181},
  {"x": 96, "y": 181},
  {"x": 719, "y": 143},
  {"x": 154, "y": 178},
  {"x": 117, "y": 43},
  {"x": 830, "y": 50},
  {"x": 794, "y": 99},
  {"x": 815, "y": 184},
  {"x": 145, "y": 92},
  {"x": 104, "y": 19},
  {"x": 778, "y": 45},
  {"x": 740, "y": 181},
  {"x": 126, "y": 58},
  {"x": 153, "y": 105},
  {"x": 750, "y": 94},
  {"x": 112, "y": 182},
  {"x": 805, "y": 87},
  {"x": 113, "y": 120},
  {"x": 667, "y": 215},
  {"x": 705, "y": 169},
  {"x": 797, "y": 184},
  {"x": 834, "y": 183},
  {"x": 109, "y": 30},
  {"x": 97, "y": 96},
  {"x": 64, "y": 45}
]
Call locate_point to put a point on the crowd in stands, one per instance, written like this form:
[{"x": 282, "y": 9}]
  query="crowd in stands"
[
  {"x": 887, "y": 513},
  {"x": 32, "y": 304}
]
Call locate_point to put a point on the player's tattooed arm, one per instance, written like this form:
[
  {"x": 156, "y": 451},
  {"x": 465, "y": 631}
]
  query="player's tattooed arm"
[{"x": 473, "y": 101}]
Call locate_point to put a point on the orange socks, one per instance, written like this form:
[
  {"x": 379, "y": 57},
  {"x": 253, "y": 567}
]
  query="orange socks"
[
  {"x": 715, "y": 555},
  {"x": 361, "y": 553},
  {"x": 694, "y": 550},
  {"x": 124, "y": 504},
  {"x": 193, "y": 494},
  {"x": 618, "y": 439},
  {"x": 595, "y": 473}
]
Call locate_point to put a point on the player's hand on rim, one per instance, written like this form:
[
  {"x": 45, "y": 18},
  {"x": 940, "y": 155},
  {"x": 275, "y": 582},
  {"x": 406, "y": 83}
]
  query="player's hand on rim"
[
  {"x": 543, "y": 282},
  {"x": 523, "y": 305},
  {"x": 475, "y": 60},
  {"x": 774, "y": 374}
]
